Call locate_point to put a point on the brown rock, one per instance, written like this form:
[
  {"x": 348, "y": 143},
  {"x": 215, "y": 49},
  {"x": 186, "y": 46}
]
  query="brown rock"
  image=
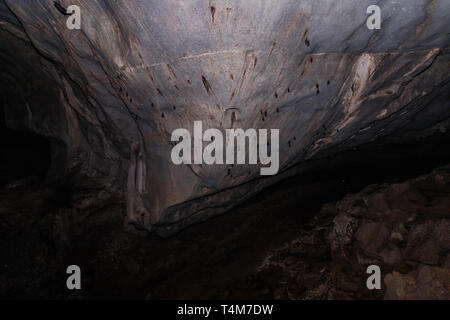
[
  {"x": 439, "y": 208},
  {"x": 426, "y": 241},
  {"x": 446, "y": 262},
  {"x": 399, "y": 286},
  {"x": 433, "y": 283},
  {"x": 402, "y": 204},
  {"x": 441, "y": 234},
  {"x": 427, "y": 252},
  {"x": 343, "y": 229},
  {"x": 378, "y": 205},
  {"x": 397, "y": 215},
  {"x": 399, "y": 233},
  {"x": 416, "y": 198},
  {"x": 397, "y": 189},
  {"x": 391, "y": 255},
  {"x": 372, "y": 236}
]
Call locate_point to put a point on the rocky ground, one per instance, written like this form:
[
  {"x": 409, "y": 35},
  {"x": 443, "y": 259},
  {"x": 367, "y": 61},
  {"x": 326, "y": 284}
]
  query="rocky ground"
[
  {"x": 404, "y": 228},
  {"x": 267, "y": 248}
]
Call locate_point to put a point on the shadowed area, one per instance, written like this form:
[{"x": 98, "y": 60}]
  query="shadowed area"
[
  {"x": 275, "y": 245},
  {"x": 23, "y": 154}
]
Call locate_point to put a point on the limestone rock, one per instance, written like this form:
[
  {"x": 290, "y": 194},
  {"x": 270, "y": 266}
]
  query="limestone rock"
[{"x": 109, "y": 95}]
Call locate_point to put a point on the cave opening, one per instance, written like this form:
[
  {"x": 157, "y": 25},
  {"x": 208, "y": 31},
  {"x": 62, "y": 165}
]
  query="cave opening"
[{"x": 24, "y": 154}]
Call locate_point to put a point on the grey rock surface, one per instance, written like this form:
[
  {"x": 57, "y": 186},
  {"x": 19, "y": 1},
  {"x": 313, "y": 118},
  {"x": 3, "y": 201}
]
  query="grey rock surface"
[{"x": 110, "y": 95}]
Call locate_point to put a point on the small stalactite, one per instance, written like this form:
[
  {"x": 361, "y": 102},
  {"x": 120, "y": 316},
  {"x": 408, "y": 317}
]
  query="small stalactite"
[
  {"x": 213, "y": 13},
  {"x": 307, "y": 43},
  {"x": 136, "y": 185}
]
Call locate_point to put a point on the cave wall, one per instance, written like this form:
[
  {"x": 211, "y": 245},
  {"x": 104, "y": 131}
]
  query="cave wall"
[{"x": 110, "y": 95}]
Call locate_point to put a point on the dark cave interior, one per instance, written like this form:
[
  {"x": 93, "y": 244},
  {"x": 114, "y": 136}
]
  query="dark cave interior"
[
  {"x": 35, "y": 210},
  {"x": 87, "y": 178},
  {"x": 24, "y": 154},
  {"x": 208, "y": 261}
]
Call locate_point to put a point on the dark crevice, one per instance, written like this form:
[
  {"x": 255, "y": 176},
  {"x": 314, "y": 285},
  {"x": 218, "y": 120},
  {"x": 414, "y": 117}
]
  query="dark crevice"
[{"x": 23, "y": 154}]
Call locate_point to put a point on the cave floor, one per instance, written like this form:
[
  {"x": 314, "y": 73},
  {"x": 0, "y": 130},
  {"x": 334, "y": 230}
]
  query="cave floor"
[
  {"x": 219, "y": 258},
  {"x": 252, "y": 252},
  {"x": 276, "y": 245}
]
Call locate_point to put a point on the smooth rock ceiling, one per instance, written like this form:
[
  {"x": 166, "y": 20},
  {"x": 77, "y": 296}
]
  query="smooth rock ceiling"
[{"x": 109, "y": 95}]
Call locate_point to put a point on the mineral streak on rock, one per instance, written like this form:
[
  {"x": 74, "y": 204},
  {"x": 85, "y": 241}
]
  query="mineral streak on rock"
[{"x": 105, "y": 94}]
